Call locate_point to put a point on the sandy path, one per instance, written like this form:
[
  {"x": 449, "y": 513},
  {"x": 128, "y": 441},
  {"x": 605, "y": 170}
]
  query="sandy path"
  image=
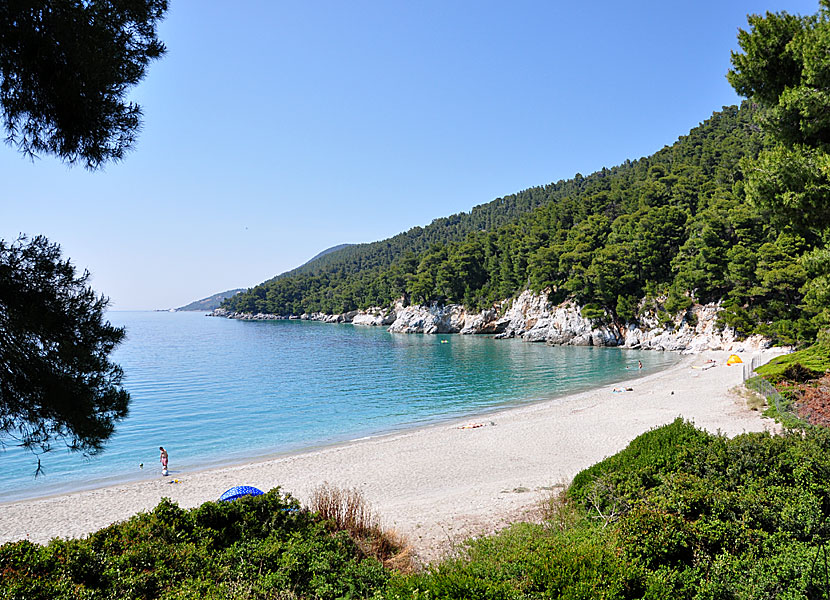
[{"x": 438, "y": 484}]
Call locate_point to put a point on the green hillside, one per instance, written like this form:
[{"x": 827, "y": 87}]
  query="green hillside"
[
  {"x": 211, "y": 302},
  {"x": 734, "y": 212},
  {"x": 312, "y": 264},
  {"x": 674, "y": 225}
]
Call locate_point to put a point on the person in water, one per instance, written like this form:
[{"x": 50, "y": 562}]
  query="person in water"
[
  {"x": 163, "y": 458},
  {"x": 639, "y": 364}
]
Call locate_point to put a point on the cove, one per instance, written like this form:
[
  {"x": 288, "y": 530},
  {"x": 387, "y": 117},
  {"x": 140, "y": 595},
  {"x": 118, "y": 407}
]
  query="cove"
[{"x": 218, "y": 391}]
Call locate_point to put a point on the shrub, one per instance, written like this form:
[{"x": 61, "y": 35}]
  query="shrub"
[
  {"x": 263, "y": 547},
  {"x": 815, "y": 358},
  {"x": 642, "y": 465},
  {"x": 345, "y": 509},
  {"x": 798, "y": 373},
  {"x": 528, "y": 561}
]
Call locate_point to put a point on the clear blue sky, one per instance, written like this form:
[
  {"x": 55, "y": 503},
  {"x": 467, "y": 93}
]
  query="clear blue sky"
[{"x": 273, "y": 130}]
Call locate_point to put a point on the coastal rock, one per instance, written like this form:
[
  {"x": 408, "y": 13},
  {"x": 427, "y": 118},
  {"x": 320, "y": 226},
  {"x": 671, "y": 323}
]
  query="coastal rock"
[
  {"x": 484, "y": 322},
  {"x": 533, "y": 318},
  {"x": 374, "y": 317},
  {"x": 429, "y": 319},
  {"x": 527, "y": 312}
]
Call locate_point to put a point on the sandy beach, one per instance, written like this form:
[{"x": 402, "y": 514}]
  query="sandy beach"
[{"x": 443, "y": 483}]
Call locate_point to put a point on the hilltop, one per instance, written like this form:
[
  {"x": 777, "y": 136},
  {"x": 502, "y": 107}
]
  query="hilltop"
[
  {"x": 653, "y": 235},
  {"x": 211, "y": 302}
]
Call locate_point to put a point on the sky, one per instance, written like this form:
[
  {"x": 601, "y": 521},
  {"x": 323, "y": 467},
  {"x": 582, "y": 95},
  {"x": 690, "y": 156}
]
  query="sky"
[{"x": 274, "y": 130}]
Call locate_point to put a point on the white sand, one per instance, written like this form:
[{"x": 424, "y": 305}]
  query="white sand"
[{"x": 438, "y": 484}]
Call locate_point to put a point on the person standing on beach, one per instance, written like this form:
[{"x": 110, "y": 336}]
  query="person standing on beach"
[{"x": 163, "y": 459}]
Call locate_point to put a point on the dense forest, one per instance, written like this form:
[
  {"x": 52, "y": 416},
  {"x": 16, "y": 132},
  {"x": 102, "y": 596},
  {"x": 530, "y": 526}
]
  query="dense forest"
[{"x": 673, "y": 228}]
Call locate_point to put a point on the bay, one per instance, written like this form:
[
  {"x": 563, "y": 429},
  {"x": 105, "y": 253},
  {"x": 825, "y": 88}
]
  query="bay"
[{"x": 216, "y": 391}]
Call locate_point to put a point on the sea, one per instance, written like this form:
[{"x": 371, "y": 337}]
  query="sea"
[{"x": 216, "y": 392}]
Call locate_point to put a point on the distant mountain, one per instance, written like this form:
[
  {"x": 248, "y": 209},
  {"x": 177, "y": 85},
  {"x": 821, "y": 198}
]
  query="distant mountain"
[
  {"x": 211, "y": 302},
  {"x": 214, "y": 301}
]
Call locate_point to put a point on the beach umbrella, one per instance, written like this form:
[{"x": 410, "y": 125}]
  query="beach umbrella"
[{"x": 239, "y": 491}]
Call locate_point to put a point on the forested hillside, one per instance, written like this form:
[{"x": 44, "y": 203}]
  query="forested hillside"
[
  {"x": 313, "y": 264},
  {"x": 674, "y": 226},
  {"x": 211, "y": 302}
]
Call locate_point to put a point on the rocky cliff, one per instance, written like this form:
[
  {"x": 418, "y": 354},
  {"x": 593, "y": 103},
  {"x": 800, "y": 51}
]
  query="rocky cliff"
[{"x": 533, "y": 318}]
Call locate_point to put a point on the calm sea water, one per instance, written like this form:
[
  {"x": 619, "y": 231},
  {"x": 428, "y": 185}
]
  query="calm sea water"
[{"x": 215, "y": 391}]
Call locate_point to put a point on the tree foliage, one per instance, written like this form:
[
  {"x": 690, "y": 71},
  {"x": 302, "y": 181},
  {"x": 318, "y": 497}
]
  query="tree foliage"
[
  {"x": 56, "y": 379},
  {"x": 785, "y": 68},
  {"x": 66, "y": 67},
  {"x": 675, "y": 225},
  {"x": 736, "y": 212}
]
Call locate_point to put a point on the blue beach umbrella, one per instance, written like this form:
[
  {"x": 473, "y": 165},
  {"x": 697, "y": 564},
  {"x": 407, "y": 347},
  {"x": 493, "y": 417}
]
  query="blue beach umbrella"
[{"x": 239, "y": 491}]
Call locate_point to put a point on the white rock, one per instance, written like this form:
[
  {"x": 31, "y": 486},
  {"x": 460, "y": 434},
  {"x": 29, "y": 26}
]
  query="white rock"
[{"x": 533, "y": 318}]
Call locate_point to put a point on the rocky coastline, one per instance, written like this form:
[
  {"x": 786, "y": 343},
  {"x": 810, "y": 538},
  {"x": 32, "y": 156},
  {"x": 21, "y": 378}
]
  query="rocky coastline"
[{"x": 532, "y": 317}]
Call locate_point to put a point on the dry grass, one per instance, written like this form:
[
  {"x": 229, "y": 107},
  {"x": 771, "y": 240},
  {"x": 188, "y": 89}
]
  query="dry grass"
[
  {"x": 557, "y": 513},
  {"x": 348, "y": 510},
  {"x": 752, "y": 399}
]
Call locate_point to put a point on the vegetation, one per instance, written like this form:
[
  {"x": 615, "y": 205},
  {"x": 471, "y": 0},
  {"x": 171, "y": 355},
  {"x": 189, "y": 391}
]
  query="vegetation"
[
  {"x": 211, "y": 302},
  {"x": 263, "y": 547},
  {"x": 816, "y": 358},
  {"x": 800, "y": 385},
  {"x": 66, "y": 68},
  {"x": 785, "y": 69},
  {"x": 680, "y": 513},
  {"x": 56, "y": 380},
  {"x": 347, "y": 510},
  {"x": 670, "y": 228}
]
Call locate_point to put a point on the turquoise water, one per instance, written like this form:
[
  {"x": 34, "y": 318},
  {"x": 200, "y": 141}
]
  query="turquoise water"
[{"x": 215, "y": 391}]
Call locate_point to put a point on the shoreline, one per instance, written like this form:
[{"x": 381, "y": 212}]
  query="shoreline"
[
  {"x": 437, "y": 483},
  {"x": 151, "y": 473}
]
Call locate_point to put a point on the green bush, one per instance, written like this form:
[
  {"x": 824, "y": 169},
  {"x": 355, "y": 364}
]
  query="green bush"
[
  {"x": 528, "y": 561},
  {"x": 263, "y": 547},
  {"x": 695, "y": 515},
  {"x": 641, "y": 466},
  {"x": 816, "y": 358},
  {"x": 679, "y": 513},
  {"x": 593, "y": 312}
]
